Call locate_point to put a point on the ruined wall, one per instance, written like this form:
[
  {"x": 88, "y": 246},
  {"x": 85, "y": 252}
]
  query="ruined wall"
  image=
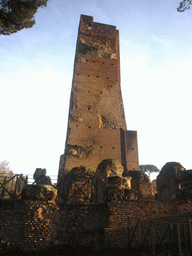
[
  {"x": 28, "y": 224},
  {"x": 34, "y": 225},
  {"x": 11, "y": 221},
  {"x": 107, "y": 224},
  {"x": 96, "y": 112}
]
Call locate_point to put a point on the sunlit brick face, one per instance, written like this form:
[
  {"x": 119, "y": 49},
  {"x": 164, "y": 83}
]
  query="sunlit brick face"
[{"x": 96, "y": 124}]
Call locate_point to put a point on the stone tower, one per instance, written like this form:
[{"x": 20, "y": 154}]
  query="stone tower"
[{"x": 96, "y": 124}]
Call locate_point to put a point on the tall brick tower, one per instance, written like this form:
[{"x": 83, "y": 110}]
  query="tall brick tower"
[{"x": 96, "y": 124}]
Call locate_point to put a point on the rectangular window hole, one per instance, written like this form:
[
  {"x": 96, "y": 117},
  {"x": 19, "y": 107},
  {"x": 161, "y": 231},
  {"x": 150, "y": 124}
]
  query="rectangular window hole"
[{"x": 132, "y": 148}]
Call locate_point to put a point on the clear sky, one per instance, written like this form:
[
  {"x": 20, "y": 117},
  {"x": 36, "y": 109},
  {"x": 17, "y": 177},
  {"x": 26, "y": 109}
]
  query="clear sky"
[{"x": 36, "y": 69}]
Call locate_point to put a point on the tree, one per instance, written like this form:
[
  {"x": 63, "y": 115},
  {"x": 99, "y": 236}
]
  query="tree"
[
  {"x": 148, "y": 168},
  {"x": 40, "y": 177},
  {"x": 184, "y": 5},
  {"x": 18, "y": 14},
  {"x": 5, "y": 170}
]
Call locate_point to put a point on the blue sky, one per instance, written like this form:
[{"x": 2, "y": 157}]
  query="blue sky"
[{"x": 36, "y": 68}]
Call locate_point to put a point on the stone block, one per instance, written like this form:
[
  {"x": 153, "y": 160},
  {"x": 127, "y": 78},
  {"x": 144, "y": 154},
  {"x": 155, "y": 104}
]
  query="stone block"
[{"x": 39, "y": 192}]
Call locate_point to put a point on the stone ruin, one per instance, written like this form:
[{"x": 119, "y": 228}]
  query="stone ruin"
[
  {"x": 100, "y": 164},
  {"x": 98, "y": 143},
  {"x": 39, "y": 192},
  {"x": 185, "y": 189},
  {"x": 108, "y": 183},
  {"x": 174, "y": 182},
  {"x": 96, "y": 124},
  {"x": 74, "y": 188},
  {"x": 168, "y": 180},
  {"x": 141, "y": 182}
]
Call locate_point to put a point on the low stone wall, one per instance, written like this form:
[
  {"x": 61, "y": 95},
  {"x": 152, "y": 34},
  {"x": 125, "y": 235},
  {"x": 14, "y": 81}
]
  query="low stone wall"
[
  {"x": 80, "y": 224},
  {"x": 107, "y": 224},
  {"x": 34, "y": 225}
]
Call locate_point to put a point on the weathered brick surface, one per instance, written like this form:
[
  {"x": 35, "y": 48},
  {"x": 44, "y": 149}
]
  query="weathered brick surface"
[
  {"x": 28, "y": 224},
  {"x": 96, "y": 124},
  {"x": 161, "y": 212},
  {"x": 107, "y": 224},
  {"x": 11, "y": 223},
  {"x": 38, "y": 221},
  {"x": 34, "y": 225}
]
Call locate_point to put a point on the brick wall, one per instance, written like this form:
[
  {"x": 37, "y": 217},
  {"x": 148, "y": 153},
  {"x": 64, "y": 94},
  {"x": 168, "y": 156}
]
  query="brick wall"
[
  {"x": 107, "y": 224},
  {"x": 34, "y": 225},
  {"x": 28, "y": 224},
  {"x": 96, "y": 112}
]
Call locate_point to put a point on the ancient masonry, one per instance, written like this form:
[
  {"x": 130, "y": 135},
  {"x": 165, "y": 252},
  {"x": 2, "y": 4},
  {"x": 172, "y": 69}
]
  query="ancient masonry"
[
  {"x": 96, "y": 125},
  {"x": 112, "y": 215}
]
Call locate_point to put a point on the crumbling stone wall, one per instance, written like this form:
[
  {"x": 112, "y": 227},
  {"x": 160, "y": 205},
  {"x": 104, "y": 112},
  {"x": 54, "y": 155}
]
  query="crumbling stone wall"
[
  {"x": 38, "y": 221},
  {"x": 140, "y": 182},
  {"x": 11, "y": 222},
  {"x": 28, "y": 225},
  {"x": 110, "y": 184},
  {"x": 107, "y": 224},
  {"x": 77, "y": 186},
  {"x": 80, "y": 224},
  {"x": 34, "y": 225},
  {"x": 169, "y": 180},
  {"x": 29, "y": 222}
]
